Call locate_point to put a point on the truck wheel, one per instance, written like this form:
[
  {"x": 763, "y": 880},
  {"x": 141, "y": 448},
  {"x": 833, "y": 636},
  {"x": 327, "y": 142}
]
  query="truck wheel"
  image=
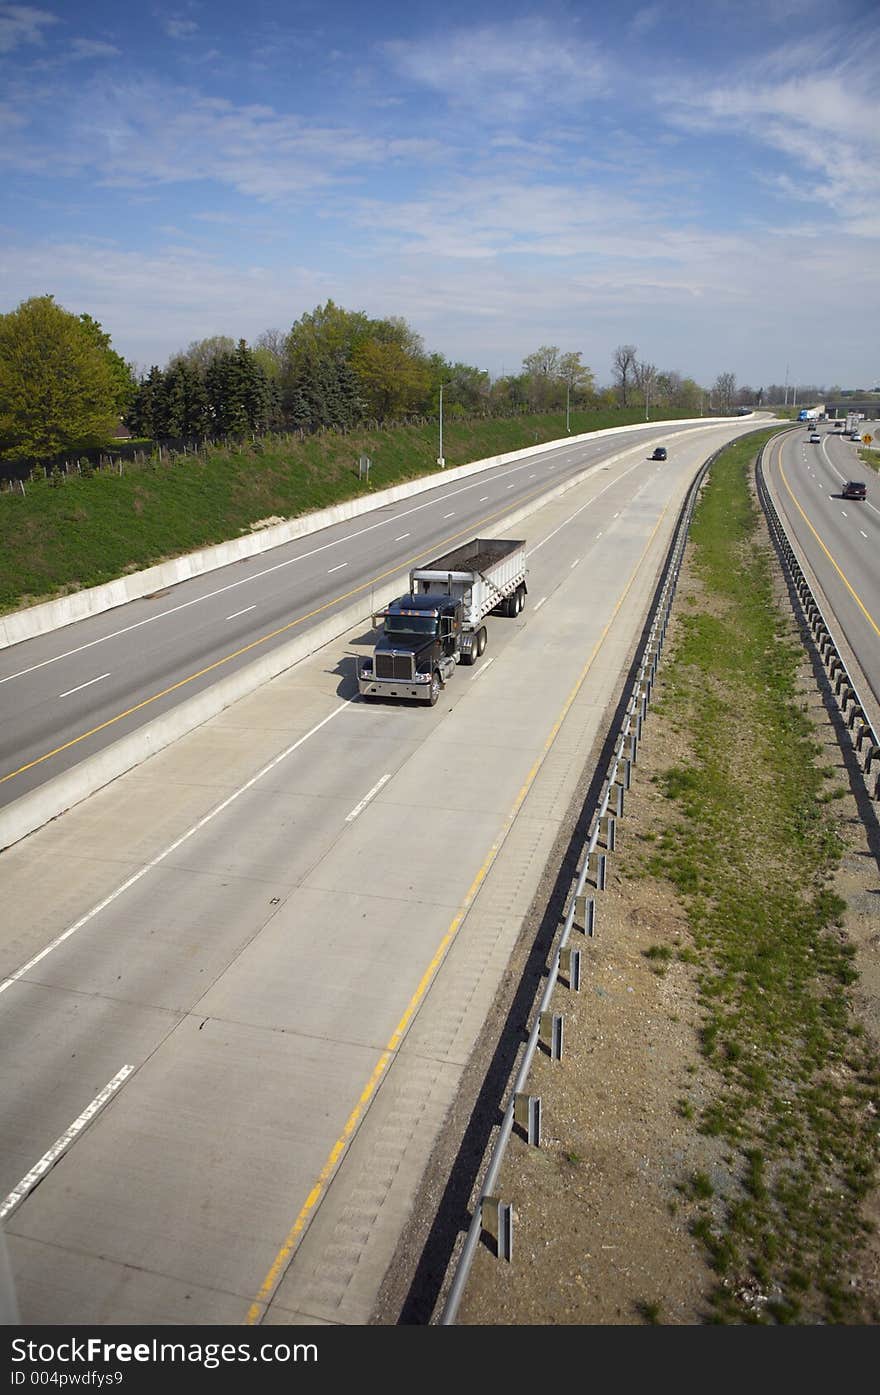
[
  {"x": 435, "y": 688},
  {"x": 521, "y": 604},
  {"x": 510, "y": 607},
  {"x": 482, "y": 640}
]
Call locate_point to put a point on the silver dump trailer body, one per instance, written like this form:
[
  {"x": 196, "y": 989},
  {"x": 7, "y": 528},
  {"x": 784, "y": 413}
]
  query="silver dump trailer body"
[
  {"x": 439, "y": 623},
  {"x": 483, "y": 574}
]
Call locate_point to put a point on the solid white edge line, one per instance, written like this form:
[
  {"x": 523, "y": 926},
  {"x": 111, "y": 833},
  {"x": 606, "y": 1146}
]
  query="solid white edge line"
[
  {"x": 60, "y": 1146},
  {"x": 482, "y": 669},
  {"x": 172, "y": 847},
  {"x": 359, "y": 808}
]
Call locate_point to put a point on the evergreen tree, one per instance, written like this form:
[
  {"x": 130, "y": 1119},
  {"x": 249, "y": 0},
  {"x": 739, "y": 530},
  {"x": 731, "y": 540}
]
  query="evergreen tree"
[
  {"x": 186, "y": 411},
  {"x": 148, "y": 414}
]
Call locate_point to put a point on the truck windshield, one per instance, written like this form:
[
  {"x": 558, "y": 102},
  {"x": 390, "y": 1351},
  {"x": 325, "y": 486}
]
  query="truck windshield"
[{"x": 410, "y": 624}]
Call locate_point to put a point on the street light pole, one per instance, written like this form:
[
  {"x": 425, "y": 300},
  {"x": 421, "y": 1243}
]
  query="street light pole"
[
  {"x": 567, "y": 408},
  {"x": 440, "y": 461}
]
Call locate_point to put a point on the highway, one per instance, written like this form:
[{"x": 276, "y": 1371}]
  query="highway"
[
  {"x": 241, "y": 984},
  {"x": 837, "y": 540},
  {"x": 71, "y": 693}
]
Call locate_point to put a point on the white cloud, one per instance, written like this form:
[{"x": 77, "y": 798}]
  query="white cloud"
[
  {"x": 505, "y": 69},
  {"x": 644, "y": 20},
  {"x": 822, "y": 117},
  {"x": 93, "y": 48},
  {"x": 178, "y": 28},
  {"x": 22, "y": 24},
  {"x": 130, "y": 133}
]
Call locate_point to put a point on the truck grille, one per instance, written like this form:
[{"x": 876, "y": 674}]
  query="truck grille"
[{"x": 399, "y": 666}]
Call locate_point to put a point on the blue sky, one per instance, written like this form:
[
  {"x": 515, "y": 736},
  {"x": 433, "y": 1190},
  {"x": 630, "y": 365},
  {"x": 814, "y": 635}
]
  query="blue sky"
[{"x": 697, "y": 179}]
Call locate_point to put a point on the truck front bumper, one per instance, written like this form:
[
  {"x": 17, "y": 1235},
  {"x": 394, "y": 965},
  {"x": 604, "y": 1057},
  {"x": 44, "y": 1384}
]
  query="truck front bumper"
[{"x": 393, "y": 688}]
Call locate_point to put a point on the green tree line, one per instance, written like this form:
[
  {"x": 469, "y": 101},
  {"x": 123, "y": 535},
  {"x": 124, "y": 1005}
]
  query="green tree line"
[{"x": 64, "y": 388}]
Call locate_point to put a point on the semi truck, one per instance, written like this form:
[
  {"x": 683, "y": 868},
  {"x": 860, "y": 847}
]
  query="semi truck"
[{"x": 440, "y": 621}]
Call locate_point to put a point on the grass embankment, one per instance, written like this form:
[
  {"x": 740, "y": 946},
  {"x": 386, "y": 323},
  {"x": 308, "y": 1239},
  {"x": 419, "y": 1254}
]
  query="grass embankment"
[
  {"x": 82, "y": 530},
  {"x": 751, "y": 849}
]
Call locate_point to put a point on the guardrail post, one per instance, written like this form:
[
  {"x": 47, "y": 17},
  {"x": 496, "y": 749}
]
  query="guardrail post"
[
  {"x": 551, "y": 1033},
  {"x": 496, "y": 1217},
  {"x": 527, "y": 1114},
  {"x": 585, "y": 913},
  {"x": 570, "y": 965}
]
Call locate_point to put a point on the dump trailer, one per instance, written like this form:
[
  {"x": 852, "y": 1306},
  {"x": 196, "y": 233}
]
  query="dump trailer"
[{"x": 440, "y": 621}]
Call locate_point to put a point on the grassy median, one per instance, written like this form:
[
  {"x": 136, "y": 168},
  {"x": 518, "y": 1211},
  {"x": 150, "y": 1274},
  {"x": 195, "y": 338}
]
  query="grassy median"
[{"x": 751, "y": 848}]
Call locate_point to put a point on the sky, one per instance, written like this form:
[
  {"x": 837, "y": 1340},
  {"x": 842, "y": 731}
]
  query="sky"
[{"x": 697, "y": 179}]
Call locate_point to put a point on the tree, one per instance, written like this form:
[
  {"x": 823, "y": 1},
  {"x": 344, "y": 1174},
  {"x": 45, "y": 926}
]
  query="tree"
[
  {"x": 723, "y": 391},
  {"x": 239, "y": 395},
  {"x": 122, "y": 372},
  {"x": 184, "y": 401},
  {"x": 644, "y": 378},
  {"x": 391, "y": 380},
  {"x": 576, "y": 376},
  {"x": 202, "y": 352},
  {"x": 57, "y": 388},
  {"x": 623, "y": 363},
  {"x": 147, "y": 415}
]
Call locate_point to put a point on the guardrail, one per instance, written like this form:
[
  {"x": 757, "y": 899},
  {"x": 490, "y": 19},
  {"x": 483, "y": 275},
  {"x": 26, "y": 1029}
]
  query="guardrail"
[
  {"x": 491, "y": 1214},
  {"x": 846, "y": 694}
]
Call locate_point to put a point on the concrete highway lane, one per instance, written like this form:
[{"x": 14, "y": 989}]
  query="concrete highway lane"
[
  {"x": 67, "y": 695},
  {"x": 837, "y": 539},
  {"x": 239, "y": 985}
]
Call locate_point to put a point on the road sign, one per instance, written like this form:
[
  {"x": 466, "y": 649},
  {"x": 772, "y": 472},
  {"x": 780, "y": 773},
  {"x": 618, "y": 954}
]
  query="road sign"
[{"x": 867, "y": 440}]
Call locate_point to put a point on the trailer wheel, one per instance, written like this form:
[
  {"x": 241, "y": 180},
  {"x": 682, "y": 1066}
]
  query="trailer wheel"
[
  {"x": 435, "y": 688},
  {"x": 521, "y": 603},
  {"x": 510, "y": 605},
  {"x": 482, "y": 641}
]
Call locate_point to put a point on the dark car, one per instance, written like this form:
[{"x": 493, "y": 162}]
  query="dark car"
[
  {"x": 855, "y": 489},
  {"x": 659, "y": 453}
]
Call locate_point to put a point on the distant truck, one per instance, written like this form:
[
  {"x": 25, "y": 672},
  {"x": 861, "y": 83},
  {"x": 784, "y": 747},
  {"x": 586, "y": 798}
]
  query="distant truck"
[
  {"x": 811, "y": 413},
  {"x": 852, "y": 422},
  {"x": 439, "y": 622}
]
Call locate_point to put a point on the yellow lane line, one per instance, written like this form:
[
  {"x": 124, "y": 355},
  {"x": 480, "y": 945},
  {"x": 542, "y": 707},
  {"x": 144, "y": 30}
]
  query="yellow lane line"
[
  {"x": 870, "y": 619},
  {"x": 285, "y": 1254},
  {"x": 264, "y": 639}
]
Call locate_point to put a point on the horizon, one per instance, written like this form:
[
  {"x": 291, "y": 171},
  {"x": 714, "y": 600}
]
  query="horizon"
[{"x": 693, "y": 183}]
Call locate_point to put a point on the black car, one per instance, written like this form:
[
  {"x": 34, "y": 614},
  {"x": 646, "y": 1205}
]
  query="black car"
[
  {"x": 659, "y": 453},
  {"x": 855, "y": 489}
]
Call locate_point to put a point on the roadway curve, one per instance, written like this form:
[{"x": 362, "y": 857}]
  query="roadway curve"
[
  {"x": 70, "y": 694},
  {"x": 837, "y": 541},
  {"x": 242, "y": 982}
]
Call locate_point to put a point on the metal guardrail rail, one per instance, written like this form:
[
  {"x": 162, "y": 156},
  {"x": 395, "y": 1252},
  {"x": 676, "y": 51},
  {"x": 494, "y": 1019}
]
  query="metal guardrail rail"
[
  {"x": 846, "y": 693},
  {"x": 489, "y": 1212},
  {"x": 581, "y": 909}
]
